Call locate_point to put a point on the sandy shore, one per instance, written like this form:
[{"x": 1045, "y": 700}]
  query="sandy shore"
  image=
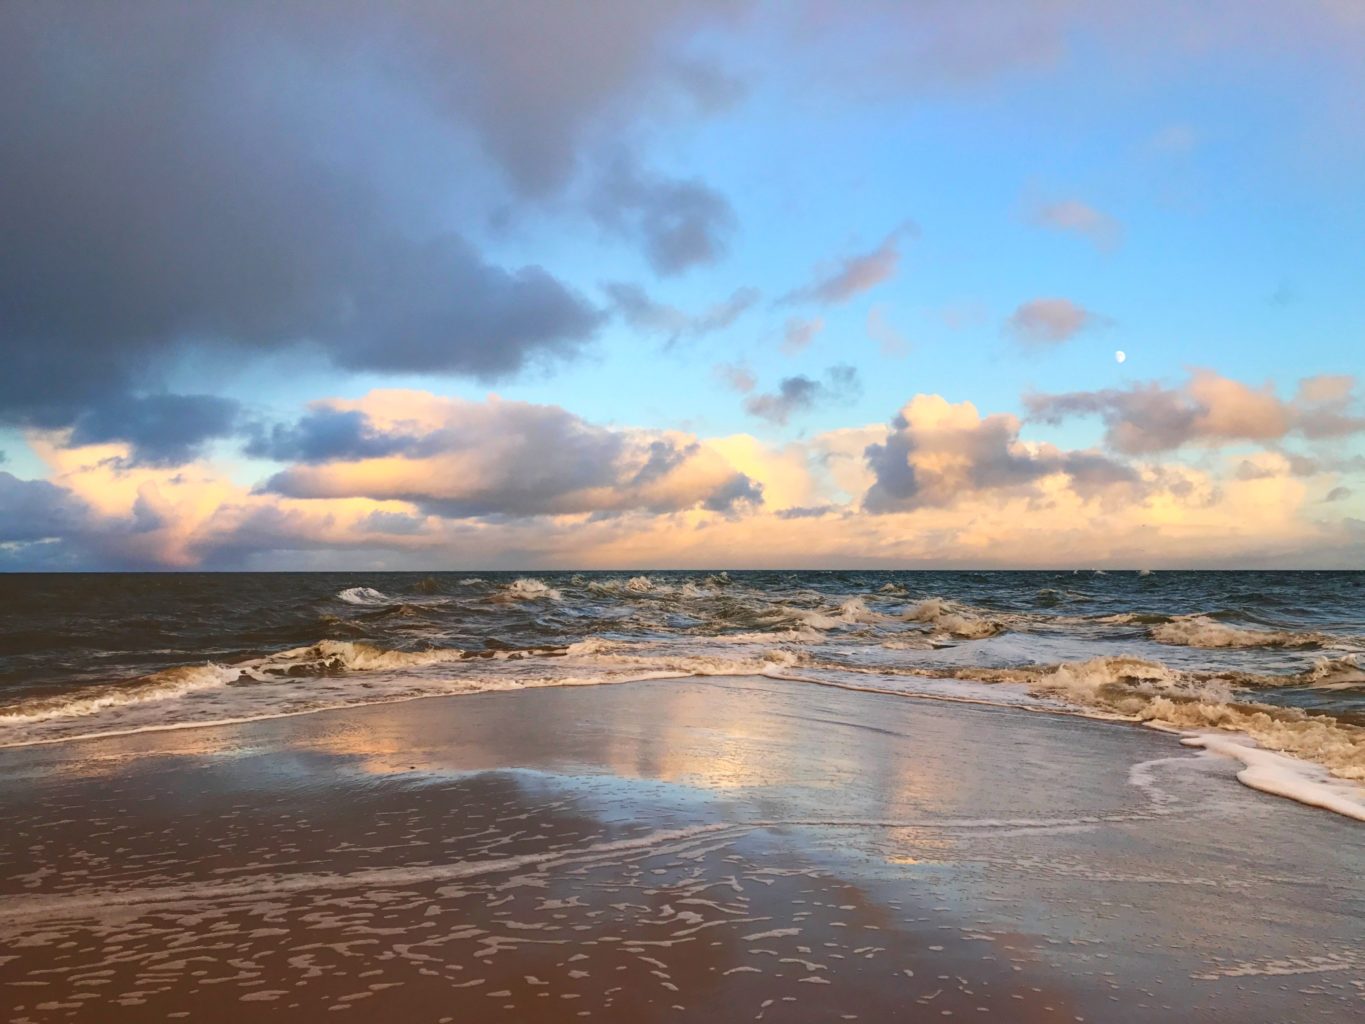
[{"x": 719, "y": 849}]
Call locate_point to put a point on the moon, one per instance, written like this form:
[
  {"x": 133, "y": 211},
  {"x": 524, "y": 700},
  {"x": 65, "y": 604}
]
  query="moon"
[{"x": 1120, "y": 356}]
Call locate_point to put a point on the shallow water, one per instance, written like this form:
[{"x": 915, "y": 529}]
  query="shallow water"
[{"x": 1277, "y": 658}]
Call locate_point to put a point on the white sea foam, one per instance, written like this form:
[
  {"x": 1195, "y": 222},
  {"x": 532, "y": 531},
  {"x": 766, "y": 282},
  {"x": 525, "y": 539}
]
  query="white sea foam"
[
  {"x": 364, "y": 596},
  {"x": 851, "y": 611},
  {"x": 336, "y": 655},
  {"x": 1283, "y": 776},
  {"x": 530, "y": 589},
  {"x": 954, "y": 619},
  {"x": 152, "y": 899},
  {"x": 1345, "y": 673},
  {"x": 1202, "y": 631},
  {"x": 172, "y": 682},
  {"x": 1135, "y": 689}
]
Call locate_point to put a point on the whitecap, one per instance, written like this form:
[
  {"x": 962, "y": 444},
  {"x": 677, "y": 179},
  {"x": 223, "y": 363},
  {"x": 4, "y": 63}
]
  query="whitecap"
[
  {"x": 363, "y": 596},
  {"x": 528, "y": 588},
  {"x": 1205, "y": 632}
]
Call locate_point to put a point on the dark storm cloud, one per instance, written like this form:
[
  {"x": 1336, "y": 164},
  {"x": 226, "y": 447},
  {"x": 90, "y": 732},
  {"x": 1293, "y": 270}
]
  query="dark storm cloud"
[
  {"x": 34, "y": 510},
  {"x": 163, "y": 429},
  {"x": 249, "y": 176},
  {"x": 326, "y": 435},
  {"x": 800, "y": 394}
]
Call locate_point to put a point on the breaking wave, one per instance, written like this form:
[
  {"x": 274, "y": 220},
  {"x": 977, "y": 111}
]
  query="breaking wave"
[
  {"x": 172, "y": 682},
  {"x": 530, "y": 589},
  {"x": 954, "y": 619},
  {"x": 1202, "y": 631},
  {"x": 363, "y": 596},
  {"x": 1281, "y": 683}
]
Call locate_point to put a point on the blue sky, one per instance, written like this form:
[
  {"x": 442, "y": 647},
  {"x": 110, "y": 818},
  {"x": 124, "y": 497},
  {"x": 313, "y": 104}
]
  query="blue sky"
[{"x": 1214, "y": 158}]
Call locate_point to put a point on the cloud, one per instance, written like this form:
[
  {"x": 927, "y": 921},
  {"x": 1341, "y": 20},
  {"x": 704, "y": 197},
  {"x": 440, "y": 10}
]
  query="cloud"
[
  {"x": 1051, "y": 321},
  {"x": 1338, "y": 494},
  {"x": 460, "y": 459},
  {"x": 795, "y": 395},
  {"x": 245, "y": 177},
  {"x": 797, "y": 334},
  {"x": 35, "y": 510},
  {"x": 1208, "y": 409},
  {"x": 892, "y": 49},
  {"x": 736, "y": 377},
  {"x": 644, "y": 314},
  {"x": 806, "y": 511},
  {"x": 1072, "y": 216},
  {"x": 162, "y": 429},
  {"x": 941, "y": 485},
  {"x": 328, "y": 434},
  {"x": 855, "y": 274},
  {"x": 1326, "y": 406},
  {"x": 938, "y": 453},
  {"x": 680, "y": 224}
]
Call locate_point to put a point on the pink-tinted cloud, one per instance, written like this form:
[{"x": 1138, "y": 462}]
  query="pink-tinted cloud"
[
  {"x": 1077, "y": 218},
  {"x": 855, "y": 274},
  {"x": 1208, "y": 409},
  {"x": 735, "y": 376},
  {"x": 1051, "y": 321},
  {"x": 421, "y": 480},
  {"x": 937, "y": 453},
  {"x": 470, "y": 459},
  {"x": 798, "y": 334}
]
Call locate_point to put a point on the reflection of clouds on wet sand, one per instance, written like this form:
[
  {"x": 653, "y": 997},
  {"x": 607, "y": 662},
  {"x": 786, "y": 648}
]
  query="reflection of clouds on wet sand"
[{"x": 722, "y": 846}]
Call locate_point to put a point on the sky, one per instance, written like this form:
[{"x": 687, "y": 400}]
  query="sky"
[{"x": 720, "y": 283}]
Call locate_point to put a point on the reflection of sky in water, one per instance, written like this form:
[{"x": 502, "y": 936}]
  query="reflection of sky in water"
[{"x": 997, "y": 837}]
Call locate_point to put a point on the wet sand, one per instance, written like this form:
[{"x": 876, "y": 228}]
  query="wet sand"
[{"x": 682, "y": 850}]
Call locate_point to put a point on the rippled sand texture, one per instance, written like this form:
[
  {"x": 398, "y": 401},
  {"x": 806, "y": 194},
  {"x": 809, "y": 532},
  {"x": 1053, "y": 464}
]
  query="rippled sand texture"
[{"x": 723, "y": 849}]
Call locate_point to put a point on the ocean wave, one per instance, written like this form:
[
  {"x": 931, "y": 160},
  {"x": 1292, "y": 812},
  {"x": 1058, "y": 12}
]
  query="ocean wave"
[
  {"x": 1281, "y": 775},
  {"x": 346, "y": 656},
  {"x": 1202, "y": 631},
  {"x": 363, "y": 596},
  {"x": 955, "y": 619},
  {"x": 528, "y": 588},
  {"x": 1336, "y": 673},
  {"x": 1140, "y": 690},
  {"x": 623, "y": 588},
  {"x": 159, "y": 686}
]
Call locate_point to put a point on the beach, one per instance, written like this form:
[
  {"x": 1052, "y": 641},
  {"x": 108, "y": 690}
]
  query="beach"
[{"x": 723, "y": 848}]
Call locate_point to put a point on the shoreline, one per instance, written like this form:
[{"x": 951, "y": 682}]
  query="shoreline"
[
  {"x": 706, "y": 833},
  {"x": 1270, "y": 772}
]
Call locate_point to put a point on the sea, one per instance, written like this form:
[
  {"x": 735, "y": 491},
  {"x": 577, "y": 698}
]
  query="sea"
[{"x": 1248, "y": 663}]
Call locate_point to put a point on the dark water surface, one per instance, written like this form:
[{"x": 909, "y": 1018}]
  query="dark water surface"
[{"x": 1278, "y": 657}]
